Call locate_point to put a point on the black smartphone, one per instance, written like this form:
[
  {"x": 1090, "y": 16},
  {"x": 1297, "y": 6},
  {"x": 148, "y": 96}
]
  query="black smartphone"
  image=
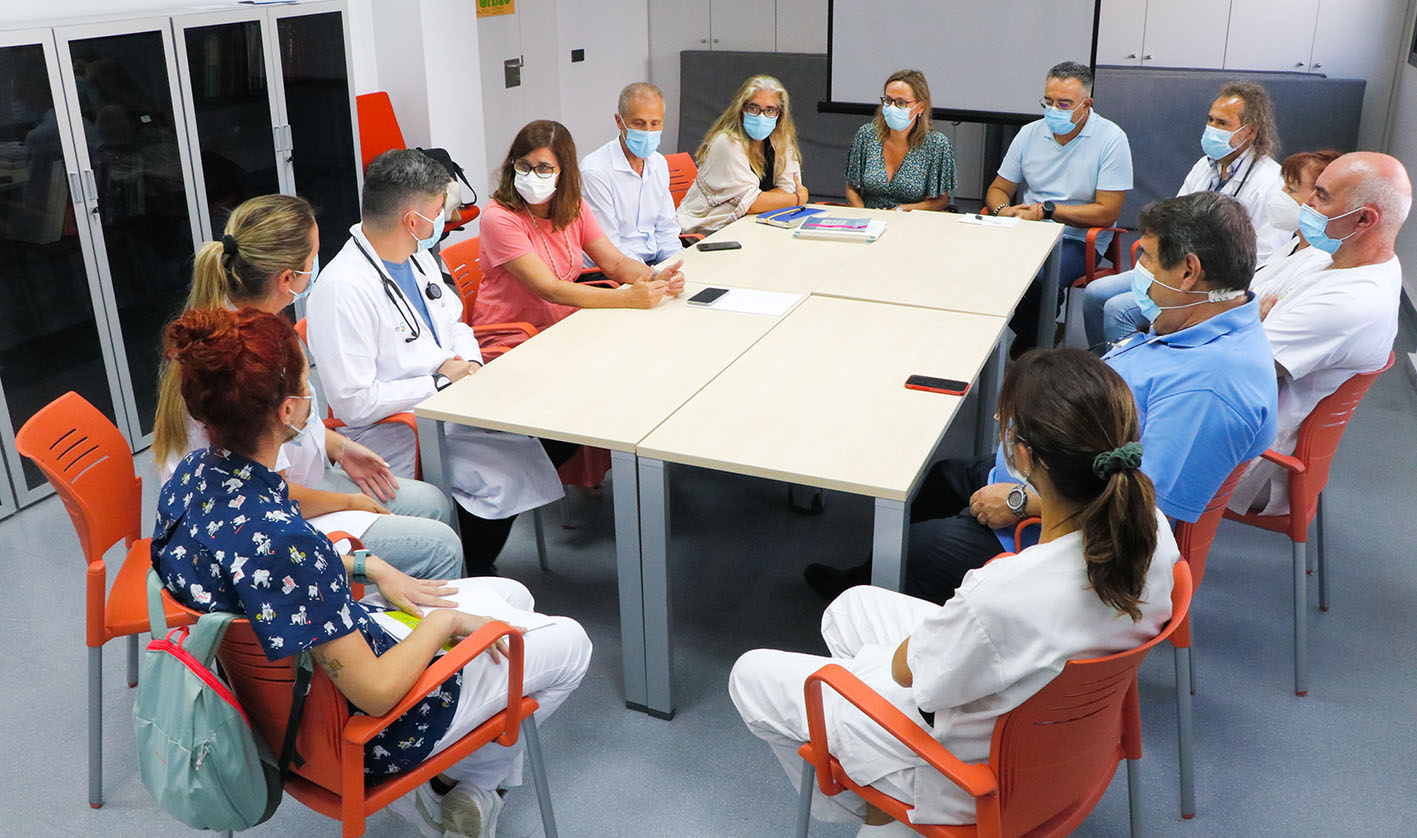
[
  {"x": 707, "y": 296},
  {"x": 930, "y": 384},
  {"x": 711, "y": 246}
]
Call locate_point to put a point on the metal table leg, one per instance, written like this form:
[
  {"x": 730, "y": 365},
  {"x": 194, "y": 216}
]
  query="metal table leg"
[
  {"x": 888, "y": 542},
  {"x": 626, "y": 497},
  {"x": 987, "y": 396},
  {"x": 654, "y": 558},
  {"x": 433, "y": 459},
  {"x": 1048, "y": 308}
]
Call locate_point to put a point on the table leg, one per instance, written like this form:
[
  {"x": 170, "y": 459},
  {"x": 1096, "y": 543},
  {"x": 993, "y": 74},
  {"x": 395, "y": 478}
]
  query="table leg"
[
  {"x": 626, "y": 497},
  {"x": 888, "y": 543},
  {"x": 987, "y": 398},
  {"x": 654, "y": 558},
  {"x": 1048, "y": 309},
  {"x": 433, "y": 459}
]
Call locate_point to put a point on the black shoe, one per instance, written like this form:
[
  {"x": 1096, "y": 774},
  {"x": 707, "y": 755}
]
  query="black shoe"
[
  {"x": 480, "y": 570},
  {"x": 831, "y": 582}
]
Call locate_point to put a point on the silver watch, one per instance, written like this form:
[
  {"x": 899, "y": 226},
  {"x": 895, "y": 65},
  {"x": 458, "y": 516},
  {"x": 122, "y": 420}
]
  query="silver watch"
[{"x": 1017, "y": 501}]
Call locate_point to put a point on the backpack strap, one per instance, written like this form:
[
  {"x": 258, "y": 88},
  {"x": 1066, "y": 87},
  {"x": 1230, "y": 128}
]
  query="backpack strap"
[
  {"x": 205, "y": 637},
  {"x": 303, "y": 672},
  {"x": 157, "y": 615}
]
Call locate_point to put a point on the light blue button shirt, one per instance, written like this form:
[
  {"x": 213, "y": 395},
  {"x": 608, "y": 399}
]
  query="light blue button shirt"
[
  {"x": 636, "y": 212},
  {"x": 1098, "y": 158}
]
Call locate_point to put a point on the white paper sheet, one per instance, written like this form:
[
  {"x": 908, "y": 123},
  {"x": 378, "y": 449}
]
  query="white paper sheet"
[
  {"x": 989, "y": 220},
  {"x": 352, "y": 521},
  {"x": 749, "y": 301},
  {"x": 472, "y": 598}
]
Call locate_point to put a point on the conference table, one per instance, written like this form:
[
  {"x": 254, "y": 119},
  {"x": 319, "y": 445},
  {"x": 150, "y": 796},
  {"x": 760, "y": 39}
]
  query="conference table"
[{"x": 812, "y": 395}]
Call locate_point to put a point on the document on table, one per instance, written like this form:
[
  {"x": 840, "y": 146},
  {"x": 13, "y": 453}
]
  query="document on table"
[
  {"x": 472, "y": 597},
  {"x": 989, "y": 220},
  {"x": 750, "y": 301}
]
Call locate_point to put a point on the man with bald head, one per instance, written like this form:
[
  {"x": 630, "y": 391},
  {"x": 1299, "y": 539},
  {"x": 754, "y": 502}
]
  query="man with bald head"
[
  {"x": 626, "y": 181},
  {"x": 1333, "y": 314}
]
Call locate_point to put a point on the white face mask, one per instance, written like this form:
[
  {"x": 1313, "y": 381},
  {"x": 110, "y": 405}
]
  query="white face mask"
[
  {"x": 534, "y": 188},
  {"x": 1283, "y": 212}
]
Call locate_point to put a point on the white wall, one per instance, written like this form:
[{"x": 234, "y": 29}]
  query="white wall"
[
  {"x": 1402, "y": 144},
  {"x": 615, "y": 36}
]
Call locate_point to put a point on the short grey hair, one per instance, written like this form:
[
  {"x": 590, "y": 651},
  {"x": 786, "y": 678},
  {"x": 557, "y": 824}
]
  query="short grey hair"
[
  {"x": 637, "y": 90},
  {"x": 1073, "y": 70},
  {"x": 397, "y": 180},
  {"x": 1214, "y": 227}
]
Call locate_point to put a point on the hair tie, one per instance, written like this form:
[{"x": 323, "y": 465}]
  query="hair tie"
[
  {"x": 1124, "y": 458},
  {"x": 228, "y": 245}
]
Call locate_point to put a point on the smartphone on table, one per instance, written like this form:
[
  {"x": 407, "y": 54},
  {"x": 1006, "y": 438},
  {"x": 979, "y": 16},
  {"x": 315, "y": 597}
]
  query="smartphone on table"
[
  {"x": 709, "y": 247},
  {"x": 707, "y": 296},
  {"x": 931, "y": 384}
]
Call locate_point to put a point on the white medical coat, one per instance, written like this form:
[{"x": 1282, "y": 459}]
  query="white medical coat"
[{"x": 369, "y": 370}]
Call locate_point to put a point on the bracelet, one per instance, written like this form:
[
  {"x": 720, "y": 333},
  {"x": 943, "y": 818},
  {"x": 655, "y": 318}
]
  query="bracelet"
[{"x": 359, "y": 558}]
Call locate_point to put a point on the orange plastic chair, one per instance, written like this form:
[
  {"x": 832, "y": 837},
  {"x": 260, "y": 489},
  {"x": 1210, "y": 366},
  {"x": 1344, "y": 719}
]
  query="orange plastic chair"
[
  {"x": 378, "y": 127},
  {"x": 331, "y": 742},
  {"x": 462, "y": 261},
  {"x": 682, "y": 174},
  {"x": 88, "y": 462},
  {"x": 405, "y": 418},
  {"x": 1308, "y": 469},
  {"x": 1051, "y": 758}
]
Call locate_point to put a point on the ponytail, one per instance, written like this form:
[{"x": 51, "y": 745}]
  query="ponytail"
[
  {"x": 1119, "y": 537},
  {"x": 211, "y": 289}
]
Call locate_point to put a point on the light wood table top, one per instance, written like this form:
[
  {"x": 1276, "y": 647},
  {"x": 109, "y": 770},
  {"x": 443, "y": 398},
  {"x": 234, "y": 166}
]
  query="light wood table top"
[
  {"x": 772, "y": 260},
  {"x": 932, "y": 260},
  {"x": 821, "y": 399},
  {"x": 602, "y": 377}
]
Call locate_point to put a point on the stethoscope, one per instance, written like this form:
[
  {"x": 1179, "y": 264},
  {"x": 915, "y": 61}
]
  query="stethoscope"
[{"x": 432, "y": 290}]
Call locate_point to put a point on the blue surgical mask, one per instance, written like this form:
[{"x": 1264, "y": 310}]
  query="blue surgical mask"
[
  {"x": 641, "y": 143},
  {"x": 758, "y": 126},
  {"x": 897, "y": 119},
  {"x": 1141, "y": 294},
  {"x": 1058, "y": 120},
  {"x": 424, "y": 244},
  {"x": 1314, "y": 225},
  {"x": 314, "y": 272},
  {"x": 1215, "y": 142}
]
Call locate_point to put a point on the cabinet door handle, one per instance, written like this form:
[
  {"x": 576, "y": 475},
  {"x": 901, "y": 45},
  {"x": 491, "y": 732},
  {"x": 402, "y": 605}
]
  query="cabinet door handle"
[
  {"x": 1300, "y": 64},
  {"x": 715, "y": 40},
  {"x": 1318, "y": 66},
  {"x": 1146, "y": 58},
  {"x": 76, "y": 189},
  {"x": 703, "y": 40},
  {"x": 1131, "y": 55},
  {"x": 92, "y": 186}
]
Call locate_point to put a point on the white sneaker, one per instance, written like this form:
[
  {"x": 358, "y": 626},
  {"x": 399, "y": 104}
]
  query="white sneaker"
[
  {"x": 894, "y": 829},
  {"x": 421, "y": 807},
  {"x": 471, "y": 812}
]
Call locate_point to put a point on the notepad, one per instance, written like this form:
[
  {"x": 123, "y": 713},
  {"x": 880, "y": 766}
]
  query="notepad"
[
  {"x": 851, "y": 229},
  {"x": 750, "y": 301},
  {"x": 472, "y": 597},
  {"x": 989, "y": 220}
]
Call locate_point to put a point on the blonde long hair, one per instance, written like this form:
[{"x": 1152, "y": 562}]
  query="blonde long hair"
[
  {"x": 920, "y": 89},
  {"x": 730, "y": 122},
  {"x": 264, "y": 236}
]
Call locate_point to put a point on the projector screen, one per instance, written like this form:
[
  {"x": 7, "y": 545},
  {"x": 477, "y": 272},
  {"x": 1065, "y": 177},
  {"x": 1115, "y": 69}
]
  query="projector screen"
[{"x": 985, "y": 59}]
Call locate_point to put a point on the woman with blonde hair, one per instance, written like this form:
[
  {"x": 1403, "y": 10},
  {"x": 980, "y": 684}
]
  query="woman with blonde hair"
[
  {"x": 748, "y": 162},
  {"x": 267, "y": 259},
  {"x": 897, "y": 161}
]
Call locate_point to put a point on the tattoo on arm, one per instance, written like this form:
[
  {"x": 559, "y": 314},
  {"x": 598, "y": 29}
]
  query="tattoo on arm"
[{"x": 332, "y": 666}]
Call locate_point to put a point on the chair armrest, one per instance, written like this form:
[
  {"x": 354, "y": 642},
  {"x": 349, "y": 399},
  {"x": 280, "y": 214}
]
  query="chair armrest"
[
  {"x": 599, "y": 283},
  {"x": 333, "y": 424},
  {"x": 978, "y": 780},
  {"x": 502, "y": 328},
  {"x": 404, "y": 418},
  {"x": 1285, "y": 461},
  {"x": 361, "y": 729},
  {"x": 1114, "y": 252},
  {"x": 1023, "y": 525}
]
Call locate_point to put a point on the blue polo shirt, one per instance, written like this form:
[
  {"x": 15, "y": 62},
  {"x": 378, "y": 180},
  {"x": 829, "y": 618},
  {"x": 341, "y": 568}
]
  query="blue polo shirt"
[
  {"x": 1207, "y": 400},
  {"x": 1098, "y": 158}
]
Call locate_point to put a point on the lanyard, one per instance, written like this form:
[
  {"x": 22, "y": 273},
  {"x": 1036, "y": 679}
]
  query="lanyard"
[
  {"x": 551, "y": 260},
  {"x": 395, "y": 294},
  {"x": 1224, "y": 181}
]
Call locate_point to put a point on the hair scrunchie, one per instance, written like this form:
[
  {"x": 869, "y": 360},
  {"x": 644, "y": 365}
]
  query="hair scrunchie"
[
  {"x": 1125, "y": 458},
  {"x": 228, "y": 245}
]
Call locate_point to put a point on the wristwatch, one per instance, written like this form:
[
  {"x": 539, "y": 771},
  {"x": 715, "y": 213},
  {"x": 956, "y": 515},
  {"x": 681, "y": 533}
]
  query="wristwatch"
[
  {"x": 1017, "y": 501},
  {"x": 441, "y": 381},
  {"x": 360, "y": 557},
  {"x": 1048, "y": 208}
]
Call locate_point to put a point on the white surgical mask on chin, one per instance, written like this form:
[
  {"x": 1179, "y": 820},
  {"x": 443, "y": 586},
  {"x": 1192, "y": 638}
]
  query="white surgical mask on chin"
[
  {"x": 1283, "y": 212},
  {"x": 534, "y": 188}
]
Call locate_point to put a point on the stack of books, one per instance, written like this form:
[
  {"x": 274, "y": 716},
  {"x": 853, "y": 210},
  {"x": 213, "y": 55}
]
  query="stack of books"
[{"x": 841, "y": 229}]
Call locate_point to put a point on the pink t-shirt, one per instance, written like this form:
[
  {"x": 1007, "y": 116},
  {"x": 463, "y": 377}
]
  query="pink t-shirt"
[{"x": 506, "y": 235}]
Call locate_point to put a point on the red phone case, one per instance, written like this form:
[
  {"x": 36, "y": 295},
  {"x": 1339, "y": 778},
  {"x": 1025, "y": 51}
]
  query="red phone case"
[{"x": 926, "y": 389}]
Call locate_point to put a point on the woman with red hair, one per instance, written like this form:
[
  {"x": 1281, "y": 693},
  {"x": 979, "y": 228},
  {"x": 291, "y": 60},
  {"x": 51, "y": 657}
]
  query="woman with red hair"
[{"x": 229, "y": 538}]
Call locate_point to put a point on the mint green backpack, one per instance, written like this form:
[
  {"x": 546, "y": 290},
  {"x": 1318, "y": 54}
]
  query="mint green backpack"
[{"x": 197, "y": 752}]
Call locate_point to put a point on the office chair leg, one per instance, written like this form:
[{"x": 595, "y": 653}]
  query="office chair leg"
[
  {"x": 1185, "y": 734},
  {"x": 538, "y": 776},
  {"x": 540, "y": 538},
  {"x": 567, "y": 523},
  {"x": 1301, "y": 631},
  {"x": 96, "y": 726},
  {"x": 1319, "y": 557},
  {"x": 804, "y": 799},
  {"x": 132, "y": 660},
  {"x": 1134, "y": 797},
  {"x": 1191, "y": 657}
]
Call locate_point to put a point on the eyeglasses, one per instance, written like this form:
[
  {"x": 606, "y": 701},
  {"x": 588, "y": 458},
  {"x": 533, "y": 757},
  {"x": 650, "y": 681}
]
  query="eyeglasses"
[
  {"x": 899, "y": 103},
  {"x": 1062, "y": 104},
  {"x": 754, "y": 109},
  {"x": 543, "y": 170}
]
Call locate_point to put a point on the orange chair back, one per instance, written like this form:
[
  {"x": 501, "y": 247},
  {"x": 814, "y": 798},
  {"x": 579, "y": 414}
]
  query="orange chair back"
[
  {"x": 1055, "y": 754},
  {"x": 378, "y": 127},
  {"x": 1195, "y": 539},
  {"x": 90, "y": 465},
  {"x": 461, "y": 259},
  {"x": 1317, "y": 444},
  {"x": 682, "y": 174}
]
